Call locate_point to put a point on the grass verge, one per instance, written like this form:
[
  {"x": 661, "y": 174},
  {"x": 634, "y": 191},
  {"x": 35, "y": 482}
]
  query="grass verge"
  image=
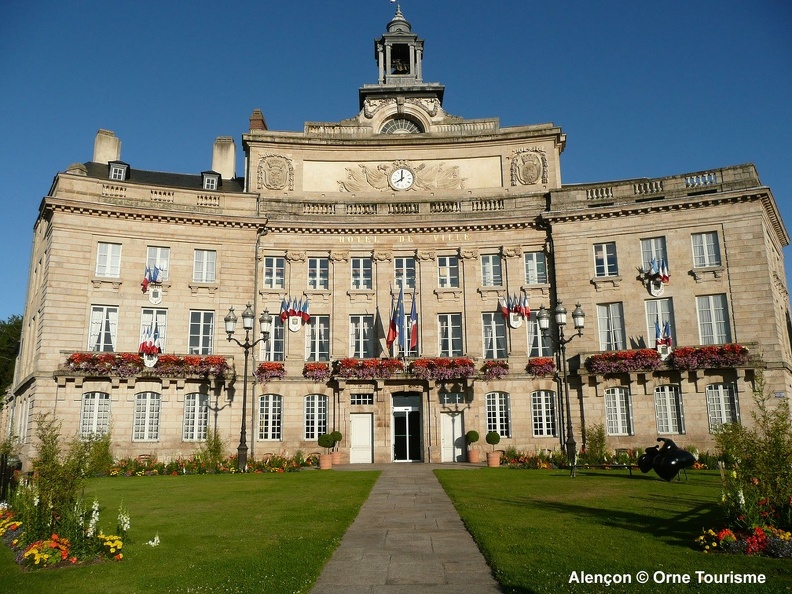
[
  {"x": 536, "y": 527},
  {"x": 218, "y": 533}
]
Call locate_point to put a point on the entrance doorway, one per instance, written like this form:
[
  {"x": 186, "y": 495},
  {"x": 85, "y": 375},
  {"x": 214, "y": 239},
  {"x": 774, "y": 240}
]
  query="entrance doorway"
[
  {"x": 407, "y": 428},
  {"x": 361, "y": 443},
  {"x": 452, "y": 436}
]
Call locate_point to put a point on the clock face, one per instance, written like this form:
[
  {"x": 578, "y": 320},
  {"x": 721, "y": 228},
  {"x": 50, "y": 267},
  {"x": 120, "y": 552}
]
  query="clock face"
[{"x": 401, "y": 179}]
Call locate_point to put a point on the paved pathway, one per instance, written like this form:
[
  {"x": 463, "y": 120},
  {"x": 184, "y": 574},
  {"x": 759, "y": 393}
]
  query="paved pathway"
[{"x": 407, "y": 538}]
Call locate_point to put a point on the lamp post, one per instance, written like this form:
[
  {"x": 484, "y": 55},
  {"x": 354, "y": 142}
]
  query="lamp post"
[
  {"x": 265, "y": 325},
  {"x": 579, "y": 320}
]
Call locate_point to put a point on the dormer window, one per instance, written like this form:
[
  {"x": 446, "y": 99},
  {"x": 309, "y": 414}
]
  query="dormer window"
[
  {"x": 119, "y": 171},
  {"x": 210, "y": 180}
]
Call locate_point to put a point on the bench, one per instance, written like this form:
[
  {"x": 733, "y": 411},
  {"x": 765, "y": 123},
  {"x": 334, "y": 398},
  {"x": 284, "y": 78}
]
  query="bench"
[{"x": 629, "y": 467}]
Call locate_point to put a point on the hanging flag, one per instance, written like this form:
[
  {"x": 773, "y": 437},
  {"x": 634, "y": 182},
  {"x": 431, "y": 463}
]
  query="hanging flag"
[
  {"x": 653, "y": 271},
  {"x": 658, "y": 334},
  {"x": 293, "y": 307},
  {"x": 284, "y": 312},
  {"x": 397, "y": 320},
  {"x": 143, "y": 341},
  {"x": 664, "y": 275},
  {"x": 413, "y": 324},
  {"x": 155, "y": 343},
  {"x": 526, "y": 308},
  {"x": 504, "y": 307},
  {"x": 306, "y": 317},
  {"x": 146, "y": 279},
  {"x": 667, "y": 334}
]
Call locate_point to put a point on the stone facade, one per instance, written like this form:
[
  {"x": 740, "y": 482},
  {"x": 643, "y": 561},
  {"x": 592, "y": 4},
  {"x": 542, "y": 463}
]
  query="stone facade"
[{"x": 462, "y": 214}]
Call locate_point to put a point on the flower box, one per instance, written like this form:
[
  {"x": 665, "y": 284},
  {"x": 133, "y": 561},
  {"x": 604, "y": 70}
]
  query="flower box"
[
  {"x": 494, "y": 369},
  {"x": 318, "y": 372},
  {"x": 624, "y": 361},
  {"x": 708, "y": 357},
  {"x": 269, "y": 370},
  {"x": 541, "y": 366},
  {"x": 351, "y": 368},
  {"x": 131, "y": 365},
  {"x": 443, "y": 368}
]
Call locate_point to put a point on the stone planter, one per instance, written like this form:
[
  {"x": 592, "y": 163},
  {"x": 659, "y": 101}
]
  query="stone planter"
[
  {"x": 493, "y": 459},
  {"x": 474, "y": 456},
  {"x": 336, "y": 457},
  {"x": 325, "y": 461}
]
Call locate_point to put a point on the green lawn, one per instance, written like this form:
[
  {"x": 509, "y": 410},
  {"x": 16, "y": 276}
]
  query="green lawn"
[
  {"x": 536, "y": 527},
  {"x": 256, "y": 533}
]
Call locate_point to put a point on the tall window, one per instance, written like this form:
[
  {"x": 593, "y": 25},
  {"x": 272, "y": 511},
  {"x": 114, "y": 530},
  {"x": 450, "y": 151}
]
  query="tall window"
[
  {"x": 94, "y": 414},
  {"x": 274, "y": 348},
  {"x": 404, "y": 272},
  {"x": 201, "y": 339},
  {"x": 611, "y": 326},
  {"x": 147, "y": 417},
  {"x": 494, "y": 336},
  {"x": 318, "y": 273},
  {"x": 361, "y": 336},
  {"x": 668, "y": 409},
  {"x": 269, "y": 417},
  {"x": 538, "y": 345},
  {"x": 317, "y": 339},
  {"x": 315, "y": 416},
  {"x": 499, "y": 413},
  {"x": 618, "y": 411},
  {"x": 447, "y": 271},
  {"x": 544, "y": 413},
  {"x": 108, "y": 259},
  {"x": 658, "y": 311},
  {"x": 361, "y": 273},
  {"x": 204, "y": 266},
  {"x": 196, "y": 417},
  {"x": 154, "y": 326},
  {"x": 159, "y": 257},
  {"x": 450, "y": 335},
  {"x": 103, "y": 328},
  {"x": 274, "y": 273},
  {"x": 605, "y": 263},
  {"x": 653, "y": 248},
  {"x": 713, "y": 317},
  {"x": 535, "y": 268},
  {"x": 721, "y": 405},
  {"x": 491, "y": 270},
  {"x": 706, "y": 251}
]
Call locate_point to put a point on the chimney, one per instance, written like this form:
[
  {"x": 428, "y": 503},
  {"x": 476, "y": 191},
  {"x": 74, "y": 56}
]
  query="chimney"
[
  {"x": 224, "y": 157},
  {"x": 257, "y": 121},
  {"x": 106, "y": 147}
]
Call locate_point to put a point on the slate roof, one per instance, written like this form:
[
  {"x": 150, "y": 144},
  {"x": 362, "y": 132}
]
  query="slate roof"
[{"x": 159, "y": 178}]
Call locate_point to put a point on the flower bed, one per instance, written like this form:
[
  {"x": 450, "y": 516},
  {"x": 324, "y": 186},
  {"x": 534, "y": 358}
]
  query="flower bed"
[
  {"x": 351, "y": 368},
  {"x": 131, "y": 364},
  {"x": 494, "y": 369},
  {"x": 318, "y": 372},
  {"x": 624, "y": 361},
  {"x": 760, "y": 540},
  {"x": 269, "y": 370},
  {"x": 541, "y": 366},
  {"x": 442, "y": 368},
  {"x": 690, "y": 358}
]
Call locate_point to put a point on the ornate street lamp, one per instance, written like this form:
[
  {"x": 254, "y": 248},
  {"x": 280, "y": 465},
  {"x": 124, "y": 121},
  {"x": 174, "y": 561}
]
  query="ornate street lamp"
[
  {"x": 579, "y": 320},
  {"x": 265, "y": 326}
]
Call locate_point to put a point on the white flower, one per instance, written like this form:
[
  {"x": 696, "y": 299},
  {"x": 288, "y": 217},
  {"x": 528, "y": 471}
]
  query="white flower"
[{"x": 154, "y": 541}]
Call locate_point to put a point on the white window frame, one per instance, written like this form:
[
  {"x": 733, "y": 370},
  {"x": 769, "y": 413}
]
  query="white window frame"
[
  {"x": 195, "y": 425},
  {"x": 154, "y": 318},
  {"x": 158, "y": 257},
  {"x": 493, "y": 336},
  {"x": 491, "y": 270},
  {"x": 448, "y": 272},
  {"x": 498, "y": 406},
  {"x": 318, "y": 273},
  {"x": 103, "y": 328},
  {"x": 653, "y": 248},
  {"x": 315, "y": 416},
  {"x": 274, "y": 276},
  {"x": 270, "y": 417},
  {"x": 668, "y": 409},
  {"x": 117, "y": 172},
  {"x": 449, "y": 335},
  {"x": 660, "y": 311},
  {"x": 610, "y": 318},
  {"x": 535, "y": 268},
  {"x": 722, "y": 405},
  {"x": 204, "y": 266},
  {"x": 606, "y": 263},
  {"x": 543, "y": 413},
  {"x": 713, "y": 319},
  {"x": 202, "y": 341},
  {"x": 108, "y": 260},
  {"x": 538, "y": 345},
  {"x": 146, "y": 420},
  {"x": 404, "y": 272},
  {"x": 619, "y": 411},
  {"x": 210, "y": 182},
  {"x": 274, "y": 348},
  {"x": 317, "y": 338},
  {"x": 94, "y": 414},
  {"x": 706, "y": 249},
  {"x": 361, "y": 336},
  {"x": 361, "y": 273}
]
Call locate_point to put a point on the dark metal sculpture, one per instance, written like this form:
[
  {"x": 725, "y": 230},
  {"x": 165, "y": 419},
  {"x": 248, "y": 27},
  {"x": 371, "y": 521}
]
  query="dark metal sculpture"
[{"x": 667, "y": 460}]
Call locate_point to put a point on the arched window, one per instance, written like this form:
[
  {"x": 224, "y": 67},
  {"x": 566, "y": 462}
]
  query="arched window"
[
  {"x": 269, "y": 416},
  {"x": 147, "y": 417},
  {"x": 668, "y": 409},
  {"x": 499, "y": 413},
  {"x": 196, "y": 417},
  {"x": 95, "y": 414},
  {"x": 400, "y": 126},
  {"x": 543, "y": 411},
  {"x": 315, "y": 416}
]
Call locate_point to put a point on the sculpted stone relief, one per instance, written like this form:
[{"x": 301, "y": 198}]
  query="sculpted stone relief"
[
  {"x": 428, "y": 105},
  {"x": 427, "y": 177},
  {"x": 528, "y": 166},
  {"x": 275, "y": 172}
]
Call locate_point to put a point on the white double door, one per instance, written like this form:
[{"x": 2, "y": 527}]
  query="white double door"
[
  {"x": 361, "y": 444},
  {"x": 452, "y": 436}
]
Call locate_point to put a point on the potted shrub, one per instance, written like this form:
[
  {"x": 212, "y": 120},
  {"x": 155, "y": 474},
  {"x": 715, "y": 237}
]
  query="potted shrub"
[
  {"x": 493, "y": 457},
  {"x": 337, "y": 437},
  {"x": 326, "y": 460},
  {"x": 474, "y": 456}
]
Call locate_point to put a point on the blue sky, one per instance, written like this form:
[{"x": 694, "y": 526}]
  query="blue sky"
[{"x": 640, "y": 89}]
